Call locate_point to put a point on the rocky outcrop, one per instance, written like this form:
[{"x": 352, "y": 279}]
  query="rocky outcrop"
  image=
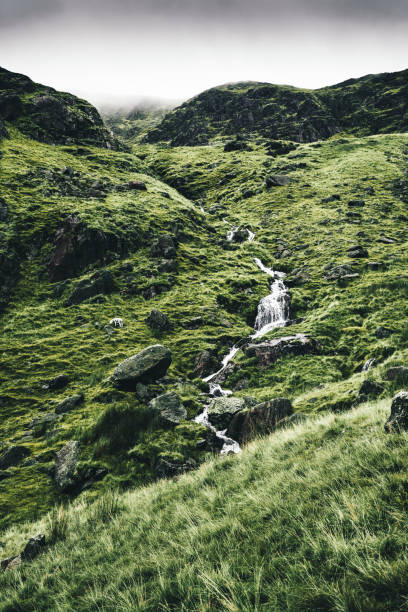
[
  {"x": 31, "y": 550},
  {"x": 260, "y": 420},
  {"x": 269, "y": 351},
  {"x": 398, "y": 373},
  {"x": 169, "y": 408},
  {"x": 69, "y": 403},
  {"x": 101, "y": 283},
  {"x": 58, "y": 382},
  {"x": 168, "y": 469},
  {"x": 12, "y": 456},
  {"x": 66, "y": 465},
  {"x": 158, "y": 321},
  {"x": 165, "y": 247},
  {"x": 147, "y": 366},
  {"x": 76, "y": 246},
  {"x": 398, "y": 419},
  {"x": 204, "y": 364},
  {"x": 222, "y": 409}
]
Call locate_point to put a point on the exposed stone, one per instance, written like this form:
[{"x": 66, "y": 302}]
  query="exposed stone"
[
  {"x": 357, "y": 251},
  {"x": 168, "y": 469},
  {"x": 169, "y": 408},
  {"x": 222, "y": 409},
  {"x": 11, "y": 563},
  {"x": 204, "y": 364},
  {"x": 269, "y": 351},
  {"x": 57, "y": 383},
  {"x": 356, "y": 203},
  {"x": 65, "y": 466},
  {"x": 165, "y": 247},
  {"x": 336, "y": 272},
  {"x": 168, "y": 265},
  {"x": 100, "y": 283},
  {"x": 259, "y": 420},
  {"x": 13, "y": 456},
  {"x": 33, "y": 547},
  {"x": 399, "y": 373},
  {"x": 69, "y": 403},
  {"x": 382, "y": 332},
  {"x": 158, "y": 321},
  {"x": 398, "y": 419},
  {"x": 370, "y": 388},
  {"x": 276, "y": 180},
  {"x": 147, "y": 366},
  {"x": 139, "y": 185},
  {"x": 374, "y": 265}
]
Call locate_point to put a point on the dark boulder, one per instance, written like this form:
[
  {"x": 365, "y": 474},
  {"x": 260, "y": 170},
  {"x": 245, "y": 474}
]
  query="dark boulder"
[
  {"x": 370, "y": 388},
  {"x": 398, "y": 373},
  {"x": 169, "y": 408},
  {"x": 33, "y": 547},
  {"x": 169, "y": 469},
  {"x": 204, "y": 364},
  {"x": 337, "y": 272},
  {"x": 356, "y": 203},
  {"x": 398, "y": 419},
  {"x": 10, "y": 105},
  {"x": 66, "y": 465},
  {"x": 58, "y": 382},
  {"x": 222, "y": 409},
  {"x": 69, "y": 403},
  {"x": 100, "y": 283},
  {"x": 12, "y": 456},
  {"x": 259, "y": 420},
  {"x": 276, "y": 180},
  {"x": 137, "y": 185},
  {"x": 357, "y": 251},
  {"x": 269, "y": 351},
  {"x": 158, "y": 321},
  {"x": 382, "y": 332},
  {"x": 147, "y": 366},
  {"x": 165, "y": 247}
]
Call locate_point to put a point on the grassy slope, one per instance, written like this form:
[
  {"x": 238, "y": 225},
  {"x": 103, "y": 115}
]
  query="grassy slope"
[
  {"x": 40, "y": 337},
  {"x": 312, "y": 518}
]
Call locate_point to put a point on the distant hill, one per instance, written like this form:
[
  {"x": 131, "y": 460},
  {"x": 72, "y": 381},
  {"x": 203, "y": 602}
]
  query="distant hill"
[
  {"x": 370, "y": 105},
  {"x": 49, "y": 116}
]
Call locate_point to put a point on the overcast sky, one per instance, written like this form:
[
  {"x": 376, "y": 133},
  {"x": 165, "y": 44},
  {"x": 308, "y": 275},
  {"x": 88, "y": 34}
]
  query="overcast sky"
[{"x": 120, "y": 51}]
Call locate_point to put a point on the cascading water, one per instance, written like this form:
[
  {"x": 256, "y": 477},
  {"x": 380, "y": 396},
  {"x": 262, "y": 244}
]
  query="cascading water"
[{"x": 273, "y": 312}]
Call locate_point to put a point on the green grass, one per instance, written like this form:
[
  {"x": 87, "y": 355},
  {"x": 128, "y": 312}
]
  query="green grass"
[{"x": 310, "y": 518}]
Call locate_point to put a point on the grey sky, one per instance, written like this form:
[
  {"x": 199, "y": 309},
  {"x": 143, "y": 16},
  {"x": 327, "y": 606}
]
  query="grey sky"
[{"x": 123, "y": 50}]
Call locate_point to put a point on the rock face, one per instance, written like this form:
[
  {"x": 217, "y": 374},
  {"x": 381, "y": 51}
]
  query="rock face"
[
  {"x": 165, "y": 247},
  {"x": 269, "y": 351},
  {"x": 13, "y": 456},
  {"x": 158, "y": 321},
  {"x": 168, "y": 469},
  {"x": 222, "y": 409},
  {"x": 147, "y": 366},
  {"x": 277, "y": 180},
  {"x": 76, "y": 246},
  {"x": 65, "y": 465},
  {"x": 169, "y": 408},
  {"x": 31, "y": 550},
  {"x": 69, "y": 403},
  {"x": 259, "y": 420},
  {"x": 357, "y": 252},
  {"x": 398, "y": 419},
  {"x": 100, "y": 283},
  {"x": 204, "y": 364}
]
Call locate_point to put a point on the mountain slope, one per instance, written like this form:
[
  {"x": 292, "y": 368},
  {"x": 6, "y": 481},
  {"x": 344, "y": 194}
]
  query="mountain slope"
[
  {"x": 312, "y": 518},
  {"x": 371, "y": 105}
]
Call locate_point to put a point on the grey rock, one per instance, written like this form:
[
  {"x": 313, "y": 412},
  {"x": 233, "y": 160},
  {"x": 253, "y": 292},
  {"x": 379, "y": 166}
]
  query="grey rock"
[
  {"x": 11, "y": 563},
  {"x": 269, "y": 351},
  {"x": 259, "y": 420},
  {"x": 398, "y": 419},
  {"x": 69, "y": 403},
  {"x": 158, "y": 321},
  {"x": 370, "y": 388},
  {"x": 168, "y": 469},
  {"x": 399, "y": 373},
  {"x": 101, "y": 283},
  {"x": 147, "y": 366},
  {"x": 58, "y": 382},
  {"x": 43, "y": 420},
  {"x": 336, "y": 272},
  {"x": 356, "y": 203},
  {"x": 65, "y": 466},
  {"x": 169, "y": 408},
  {"x": 12, "y": 456},
  {"x": 222, "y": 409},
  {"x": 374, "y": 265},
  {"x": 165, "y": 247},
  {"x": 276, "y": 180},
  {"x": 357, "y": 251},
  {"x": 33, "y": 547}
]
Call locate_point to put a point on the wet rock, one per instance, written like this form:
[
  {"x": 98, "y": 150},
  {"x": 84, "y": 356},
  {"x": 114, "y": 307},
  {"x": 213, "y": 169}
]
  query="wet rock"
[
  {"x": 276, "y": 180},
  {"x": 169, "y": 408},
  {"x": 382, "y": 332},
  {"x": 147, "y": 366},
  {"x": 65, "y": 466},
  {"x": 165, "y": 247},
  {"x": 12, "y": 456},
  {"x": 357, "y": 251},
  {"x": 399, "y": 373},
  {"x": 260, "y": 420},
  {"x": 204, "y": 364},
  {"x": 398, "y": 419},
  {"x": 69, "y": 403},
  {"x": 158, "y": 321},
  {"x": 100, "y": 283},
  {"x": 58, "y": 382},
  {"x": 269, "y": 351},
  {"x": 168, "y": 469},
  {"x": 222, "y": 409}
]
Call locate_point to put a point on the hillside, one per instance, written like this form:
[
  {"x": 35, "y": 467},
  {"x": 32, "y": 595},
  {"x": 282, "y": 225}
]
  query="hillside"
[
  {"x": 250, "y": 287},
  {"x": 374, "y": 104},
  {"x": 311, "y": 519}
]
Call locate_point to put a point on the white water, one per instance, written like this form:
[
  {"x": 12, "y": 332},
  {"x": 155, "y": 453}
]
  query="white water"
[
  {"x": 368, "y": 364},
  {"x": 273, "y": 310},
  {"x": 235, "y": 228}
]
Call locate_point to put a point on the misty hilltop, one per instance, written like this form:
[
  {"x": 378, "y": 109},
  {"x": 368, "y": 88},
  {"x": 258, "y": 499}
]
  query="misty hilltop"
[
  {"x": 204, "y": 338},
  {"x": 373, "y": 104}
]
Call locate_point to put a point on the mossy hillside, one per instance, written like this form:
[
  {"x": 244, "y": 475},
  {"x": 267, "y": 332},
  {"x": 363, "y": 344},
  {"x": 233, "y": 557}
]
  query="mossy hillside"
[
  {"x": 241, "y": 533},
  {"x": 217, "y": 281},
  {"x": 132, "y": 126},
  {"x": 370, "y": 105}
]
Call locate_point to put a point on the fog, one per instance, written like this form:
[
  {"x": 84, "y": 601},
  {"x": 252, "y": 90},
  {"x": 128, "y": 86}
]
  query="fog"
[{"x": 116, "y": 52}]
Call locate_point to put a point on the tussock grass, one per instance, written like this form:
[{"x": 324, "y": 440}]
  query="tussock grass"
[{"x": 311, "y": 518}]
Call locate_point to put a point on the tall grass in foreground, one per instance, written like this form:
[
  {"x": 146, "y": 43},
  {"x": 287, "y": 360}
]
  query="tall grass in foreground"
[{"x": 311, "y": 518}]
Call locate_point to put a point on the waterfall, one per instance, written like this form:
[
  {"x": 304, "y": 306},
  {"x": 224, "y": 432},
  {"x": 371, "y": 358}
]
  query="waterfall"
[
  {"x": 229, "y": 445},
  {"x": 273, "y": 310}
]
